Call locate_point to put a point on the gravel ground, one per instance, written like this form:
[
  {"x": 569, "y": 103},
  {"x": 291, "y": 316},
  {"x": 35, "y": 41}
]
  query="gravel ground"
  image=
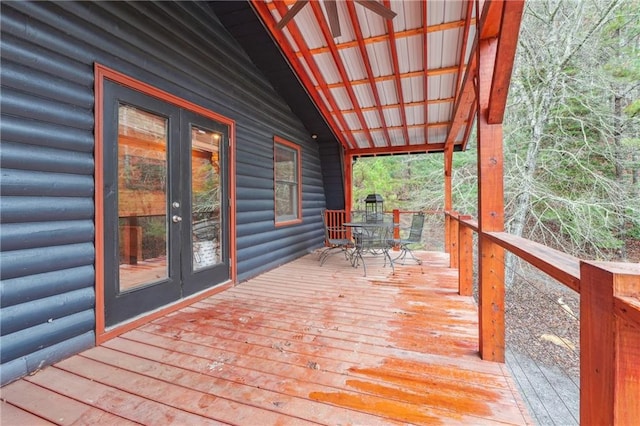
[
  {"x": 543, "y": 321},
  {"x": 542, "y": 334}
]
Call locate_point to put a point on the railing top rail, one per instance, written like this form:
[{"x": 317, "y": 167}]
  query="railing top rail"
[
  {"x": 468, "y": 221},
  {"x": 559, "y": 265},
  {"x": 623, "y": 268},
  {"x": 417, "y": 211},
  {"x": 628, "y": 308}
]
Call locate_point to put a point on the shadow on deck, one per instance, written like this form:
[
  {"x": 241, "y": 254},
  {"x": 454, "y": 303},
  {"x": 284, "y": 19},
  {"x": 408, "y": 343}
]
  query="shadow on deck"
[{"x": 299, "y": 344}]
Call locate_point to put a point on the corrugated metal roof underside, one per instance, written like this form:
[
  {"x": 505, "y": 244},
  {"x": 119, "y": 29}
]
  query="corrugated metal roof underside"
[{"x": 381, "y": 84}]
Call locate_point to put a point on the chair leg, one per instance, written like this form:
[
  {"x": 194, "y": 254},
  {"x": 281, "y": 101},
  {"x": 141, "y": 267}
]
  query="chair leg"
[
  {"x": 388, "y": 256},
  {"x": 404, "y": 250},
  {"x": 323, "y": 253},
  {"x": 357, "y": 259},
  {"x": 328, "y": 252}
]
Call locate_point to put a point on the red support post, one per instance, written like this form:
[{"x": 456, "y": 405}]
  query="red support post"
[
  {"x": 447, "y": 231},
  {"x": 490, "y": 214},
  {"x": 348, "y": 180},
  {"x": 448, "y": 197},
  {"x": 396, "y": 227},
  {"x": 609, "y": 343},
  {"x": 465, "y": 256},
  {"x": 454, "y": 230}
]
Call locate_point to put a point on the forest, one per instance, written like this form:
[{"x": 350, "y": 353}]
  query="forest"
[{"x": 571, "y": 137}]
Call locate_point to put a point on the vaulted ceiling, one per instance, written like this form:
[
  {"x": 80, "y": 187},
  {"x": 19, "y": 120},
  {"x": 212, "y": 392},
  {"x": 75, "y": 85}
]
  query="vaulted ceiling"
[
  {"x": 382, "y": 83},
  {"x": 382, "y": 86}
]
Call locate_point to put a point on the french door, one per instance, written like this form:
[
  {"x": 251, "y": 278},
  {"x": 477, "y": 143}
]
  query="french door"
[{"x": 165, "y": 203}]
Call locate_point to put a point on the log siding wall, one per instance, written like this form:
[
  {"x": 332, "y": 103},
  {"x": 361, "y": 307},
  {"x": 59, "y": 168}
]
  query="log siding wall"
[{"x": 47, "y": 184}]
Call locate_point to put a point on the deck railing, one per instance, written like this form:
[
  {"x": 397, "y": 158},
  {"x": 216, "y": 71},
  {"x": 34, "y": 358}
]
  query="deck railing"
[
  {"x": 609, "y": 316},
  {"x": 609, "y": 305},
  {"x": 334, "y": 220},
  {"x": 432, "y": 231}
]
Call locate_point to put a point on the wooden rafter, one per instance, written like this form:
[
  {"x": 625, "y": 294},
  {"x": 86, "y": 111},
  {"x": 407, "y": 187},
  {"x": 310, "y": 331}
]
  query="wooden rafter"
[
  {"x": 396, "y": 71},
  {"x": 489, "y": 27},
  {"x": 395, "y": 106},
  {"x": 463, "y": 49},
  {"x": 326, "y": 32},
  {"x": 399, "y": 35},
  {"x": 467, "y": 130},
  {"x": 347, "y": 111},
  {"x": 347, "y": 137},
  {"x": 411, "y": 126},
  {"x": 367, "y": 63},
  {"x": 466, "y": 99},
  {"x": 425, "y": 67},
  {"x": 489, "y": 24},
  {"x": 430, "y": 73},
  {"x": 399, "y": 149},
  {"x": 511, "y": 17}
]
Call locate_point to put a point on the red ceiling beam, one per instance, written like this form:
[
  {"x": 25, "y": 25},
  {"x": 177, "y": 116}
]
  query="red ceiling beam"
[
  {"x": 466, "y": 98},
  {"x": 367, "y": 63},
  {"x": 396, "y": 72},
  {"x": 467, "y": 131},
  {"x": 489, "y": 27},
  {"x": 465, "y": 36},
  {"x": 400, "y": 149},
  {"x": 507, "y": 45},
  {"x": 411, "y": 126},
  {"x": 407, "y": 105},
  {"x": 400, "y": 34},
  {"x": 344, "y": 136},
  {"x": 433, "y": 72},
  {"x": 491, "y": 16},
  {"x": 326, "y": 32},
  {"x": 425, "y": 67}
]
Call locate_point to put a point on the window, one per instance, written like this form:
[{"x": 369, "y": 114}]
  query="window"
[{"x": 287, "y": 177}]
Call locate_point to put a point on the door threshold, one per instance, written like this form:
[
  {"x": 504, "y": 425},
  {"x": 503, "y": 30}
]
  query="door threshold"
[{"x": 116, "y": 330}]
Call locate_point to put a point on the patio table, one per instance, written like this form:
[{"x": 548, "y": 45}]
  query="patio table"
[{"x": 370, "y": 238}]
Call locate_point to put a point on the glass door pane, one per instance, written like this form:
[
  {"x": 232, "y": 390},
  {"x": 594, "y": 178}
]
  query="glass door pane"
[
  {"x": 142, "y": 197},
  {"x": 205, "y": 198},
  {"x": 205, "y": 248}
]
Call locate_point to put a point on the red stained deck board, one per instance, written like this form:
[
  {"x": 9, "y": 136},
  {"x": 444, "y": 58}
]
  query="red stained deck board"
[
  {"x": 243, "y": 385},
  {"x": 167, "y": 393},
  {"x": 11, "y": 415},
  {"x": 291, "y": 376},
  {"x": 113, "y": 400},
  {"x": 55, "y": 407},
  {"x": 289, "y": 352},
  {"x": 298, "y": 344},
  {"x": 342, "y": 332}
]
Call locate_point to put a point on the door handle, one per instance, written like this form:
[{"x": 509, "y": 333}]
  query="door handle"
[{"x": 176, "y": 218}]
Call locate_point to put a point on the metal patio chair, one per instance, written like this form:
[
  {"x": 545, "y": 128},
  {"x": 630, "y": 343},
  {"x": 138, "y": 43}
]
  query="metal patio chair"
[
  {"x": 336, "y": 238},
  {"x": 415, "y": 237}
]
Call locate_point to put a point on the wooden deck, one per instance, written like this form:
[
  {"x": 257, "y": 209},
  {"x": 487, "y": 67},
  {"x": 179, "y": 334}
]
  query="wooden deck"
[{"x": 301, "y": 344}]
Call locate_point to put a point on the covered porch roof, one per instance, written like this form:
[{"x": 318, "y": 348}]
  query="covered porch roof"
[{"x": 401, "y": 84}]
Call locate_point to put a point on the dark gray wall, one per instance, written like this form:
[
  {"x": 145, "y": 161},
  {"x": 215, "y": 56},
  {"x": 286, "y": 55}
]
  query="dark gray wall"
[
  {"x": 331, "y": 158},
  {"x": 241, "y": 21},
  {"x": 46, "y": 207}
]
